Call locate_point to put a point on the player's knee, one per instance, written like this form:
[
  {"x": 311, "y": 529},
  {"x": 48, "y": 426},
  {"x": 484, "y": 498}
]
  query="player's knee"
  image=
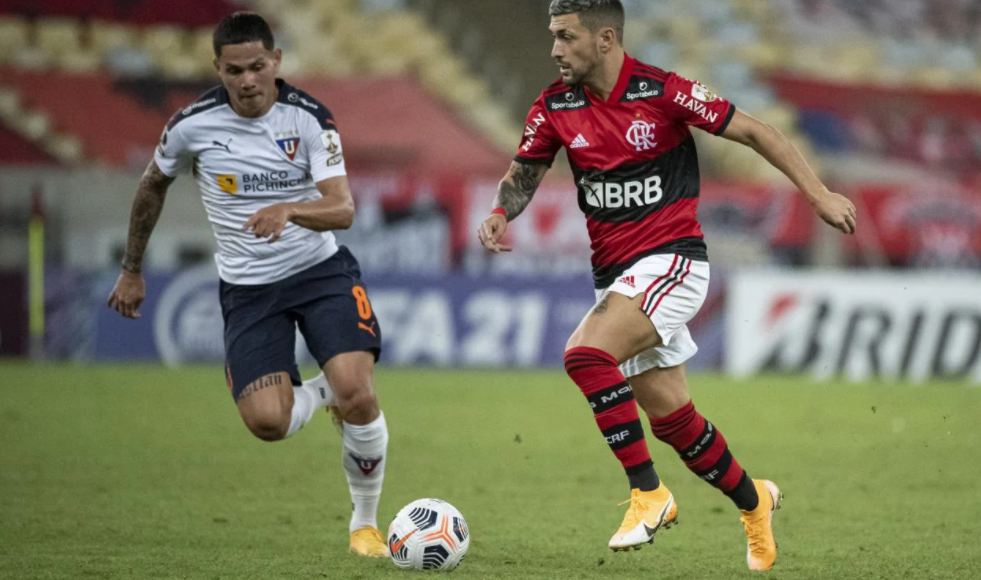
[
  {"x": 358, "y": 406},
  {"x": 268, "y": 424},
  {"x": 360, "y": 401},
  {"x": 578, "y": 358}
]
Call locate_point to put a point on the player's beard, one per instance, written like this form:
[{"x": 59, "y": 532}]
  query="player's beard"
[
  {"x": 573, "y": 78},
  {"x": 578, "y": 75}
]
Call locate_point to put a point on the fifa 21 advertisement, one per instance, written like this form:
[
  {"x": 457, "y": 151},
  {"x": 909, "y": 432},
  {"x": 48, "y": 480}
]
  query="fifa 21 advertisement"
[
  {"x": 440, "y": 320},
  {"x": 858, "y": 326}
]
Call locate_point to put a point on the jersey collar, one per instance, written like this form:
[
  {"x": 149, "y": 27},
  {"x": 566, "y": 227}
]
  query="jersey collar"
[{"x": 622, "y": 81}]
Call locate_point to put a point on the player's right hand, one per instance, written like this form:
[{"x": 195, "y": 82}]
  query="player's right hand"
[
  {"x": 491, "y": 232},
  {"x": 128, "y": 294},
  {"x": 837, "y": 211}
]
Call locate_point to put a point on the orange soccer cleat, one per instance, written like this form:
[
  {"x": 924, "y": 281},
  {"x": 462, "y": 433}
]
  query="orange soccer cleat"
[
  {"x": 761, "y": 548},
  {"x": 368, "y": 541},
  {"x": 648, "y": 512}
]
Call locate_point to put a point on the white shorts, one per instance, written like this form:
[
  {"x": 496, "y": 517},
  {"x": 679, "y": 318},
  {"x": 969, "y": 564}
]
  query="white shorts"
[{"x": 674, "y": 289}]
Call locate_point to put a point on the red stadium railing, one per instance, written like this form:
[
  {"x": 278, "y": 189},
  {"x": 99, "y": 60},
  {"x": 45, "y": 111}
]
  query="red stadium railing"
[
  {"x": 387, "y": 123},
  {"x": 191, "y": 13},
  {"x": 17, "y": 150}
]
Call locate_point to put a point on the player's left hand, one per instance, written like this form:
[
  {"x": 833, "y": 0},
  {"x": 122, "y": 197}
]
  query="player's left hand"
[
  {"x": 837, "y": 211},
  {"x": 491, "y": 232},
  {"x": 269, "y": 222}
]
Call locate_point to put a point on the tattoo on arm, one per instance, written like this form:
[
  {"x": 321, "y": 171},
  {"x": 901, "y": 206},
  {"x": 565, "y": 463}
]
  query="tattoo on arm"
[
  {"x": 602, "y": 306},
  {"x": 146, "y": 210},
  {"x": 515, "y": 197},
  {"x": 260, "y": 384}
]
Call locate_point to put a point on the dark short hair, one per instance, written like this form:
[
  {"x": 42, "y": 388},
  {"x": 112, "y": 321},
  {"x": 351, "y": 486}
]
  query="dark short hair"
[
  {"x": 242, "y": 27},
  {"x": 594, "y": 14}
]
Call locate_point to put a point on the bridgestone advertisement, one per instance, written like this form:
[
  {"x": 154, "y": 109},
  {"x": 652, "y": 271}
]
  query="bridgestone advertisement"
[{"x": 858, "y": 326}]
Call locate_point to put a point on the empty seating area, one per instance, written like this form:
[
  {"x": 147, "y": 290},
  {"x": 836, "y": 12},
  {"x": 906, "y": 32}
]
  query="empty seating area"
[
  {"x": 934, "y": 43},
  {"x": 118, "y": 127},
  {"x": 134, "y": 39},
  {"x": 738, "y": 47},
  {"x": 724, "y": 44},
  {"x": 18, "y": 150}
]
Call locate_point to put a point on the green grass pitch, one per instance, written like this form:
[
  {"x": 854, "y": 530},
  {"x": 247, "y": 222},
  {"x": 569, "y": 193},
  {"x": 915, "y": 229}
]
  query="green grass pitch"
[{"x": 144, "y": 472}]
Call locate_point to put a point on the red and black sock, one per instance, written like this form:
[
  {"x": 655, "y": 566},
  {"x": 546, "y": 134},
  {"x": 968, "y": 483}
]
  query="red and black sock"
[
  {"x": 612, "y": 400},
  {"x": 704, "y": 450}
]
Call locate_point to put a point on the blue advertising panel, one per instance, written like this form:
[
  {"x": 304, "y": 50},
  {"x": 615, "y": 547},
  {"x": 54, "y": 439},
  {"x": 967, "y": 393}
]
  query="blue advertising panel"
[{"x": 438, "y": 320}]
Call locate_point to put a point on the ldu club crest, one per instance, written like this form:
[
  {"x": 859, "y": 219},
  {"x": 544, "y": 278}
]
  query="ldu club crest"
[{"x": 289, "y": 146}]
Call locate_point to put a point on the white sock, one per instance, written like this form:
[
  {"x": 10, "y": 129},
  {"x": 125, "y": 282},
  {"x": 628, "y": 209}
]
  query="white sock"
[
  {"x": 364, "y": 464},
  {"x": 314, "y": 394}
]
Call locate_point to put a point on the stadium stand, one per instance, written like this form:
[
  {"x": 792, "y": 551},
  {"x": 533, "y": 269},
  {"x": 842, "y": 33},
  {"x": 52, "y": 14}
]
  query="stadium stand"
[
  {"x": 172, "y": 41},
  {"x": 753, "y": 51},
  {"x": 188, "y": 13},
  {"x": 17, "y": 150},
  {"x": 744, "y": 49},
  {"x": 92, "y": 101},
  {"x": 387, "y": 138}
]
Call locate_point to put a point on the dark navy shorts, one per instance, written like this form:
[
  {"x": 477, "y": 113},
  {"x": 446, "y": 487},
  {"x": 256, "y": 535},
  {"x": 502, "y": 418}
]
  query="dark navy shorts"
[{"x": 328, "y": 302}]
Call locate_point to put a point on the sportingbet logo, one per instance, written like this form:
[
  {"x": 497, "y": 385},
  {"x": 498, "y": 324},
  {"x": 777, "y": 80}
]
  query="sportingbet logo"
[
  {"x": 646, "y": 89},
  {"x": 612, "y": 195}
]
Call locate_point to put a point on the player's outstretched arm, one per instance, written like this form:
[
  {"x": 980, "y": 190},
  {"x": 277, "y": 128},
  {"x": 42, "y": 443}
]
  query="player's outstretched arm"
[
  {"x": 513, "y": 195},
  {"x": 835, "y": 209},
  {"x": 333, "y": 211},
  {"x": 130, "y": 289}
]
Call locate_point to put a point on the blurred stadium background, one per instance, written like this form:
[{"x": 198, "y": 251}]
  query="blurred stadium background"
[{"x": 884, "y": 96}]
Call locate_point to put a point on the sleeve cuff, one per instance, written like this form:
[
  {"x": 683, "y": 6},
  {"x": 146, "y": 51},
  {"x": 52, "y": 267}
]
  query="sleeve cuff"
[
  {"x": 167, "y": 168},
  {"x": 725, "y": 122},
  {"x": 532, "y": 161},
  {"x": 336, "y": 171}
]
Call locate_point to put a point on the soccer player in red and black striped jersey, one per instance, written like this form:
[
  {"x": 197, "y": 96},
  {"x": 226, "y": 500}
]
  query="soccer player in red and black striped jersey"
[{"x": 626, "y": 128}]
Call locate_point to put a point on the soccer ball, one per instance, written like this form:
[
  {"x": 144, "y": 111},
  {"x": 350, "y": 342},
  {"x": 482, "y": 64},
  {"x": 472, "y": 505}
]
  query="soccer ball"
[{"x": 428, "y": 534}]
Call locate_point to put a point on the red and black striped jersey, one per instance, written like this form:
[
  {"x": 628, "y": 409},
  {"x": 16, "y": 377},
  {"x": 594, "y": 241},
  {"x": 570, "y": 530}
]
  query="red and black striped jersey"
[{"x": 633, "y": 158}]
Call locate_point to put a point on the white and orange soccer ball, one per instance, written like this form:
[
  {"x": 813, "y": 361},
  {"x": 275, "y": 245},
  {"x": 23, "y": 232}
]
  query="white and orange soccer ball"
[{"x": 428, "y": 534}]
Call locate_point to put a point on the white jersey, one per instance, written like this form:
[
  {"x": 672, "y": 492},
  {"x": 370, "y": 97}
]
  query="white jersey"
[{"x": 242, "y": 165}]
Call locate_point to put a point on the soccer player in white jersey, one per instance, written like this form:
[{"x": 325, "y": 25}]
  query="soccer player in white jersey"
[{"x": 268, "y": 161}]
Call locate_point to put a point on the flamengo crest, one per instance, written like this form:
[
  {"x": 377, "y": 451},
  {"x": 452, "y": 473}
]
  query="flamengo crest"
[{"x": 641, "y": 135}]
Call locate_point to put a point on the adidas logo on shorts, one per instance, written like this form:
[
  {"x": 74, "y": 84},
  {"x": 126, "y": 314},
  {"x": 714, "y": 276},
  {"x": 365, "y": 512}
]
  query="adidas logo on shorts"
[{"x": 579, "y": 142}]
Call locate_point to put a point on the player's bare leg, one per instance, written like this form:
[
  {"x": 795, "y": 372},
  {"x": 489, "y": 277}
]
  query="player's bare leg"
[
  {"x": 613, "y": 331},
  {"x": 365, "y": 435},
  {"x": 273, "y": 409},
  {"x": 663, "y": 394},
  {"x": 661, "y": 391}
]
